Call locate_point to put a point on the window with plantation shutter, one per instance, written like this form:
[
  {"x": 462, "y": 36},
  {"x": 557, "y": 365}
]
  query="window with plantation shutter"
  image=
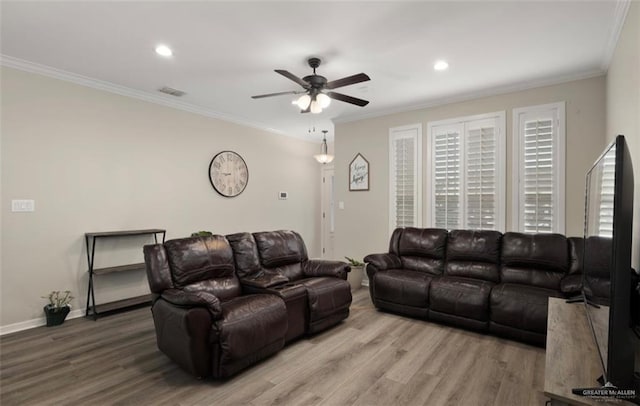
[
  {"x": 538, "y": 159},
  {"x": 405, "y": 169},
  {"x": 466, "y": 172}
]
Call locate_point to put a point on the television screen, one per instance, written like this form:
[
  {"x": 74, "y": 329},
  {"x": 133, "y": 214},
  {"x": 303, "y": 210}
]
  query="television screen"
[{"x": 607, "y": 261}]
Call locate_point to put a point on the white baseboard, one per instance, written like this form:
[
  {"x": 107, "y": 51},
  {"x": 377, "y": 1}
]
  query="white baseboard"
[{"x": 42, "y": 321}]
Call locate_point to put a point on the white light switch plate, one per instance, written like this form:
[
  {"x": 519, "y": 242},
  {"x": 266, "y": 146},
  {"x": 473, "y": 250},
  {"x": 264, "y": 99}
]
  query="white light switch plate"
[
  {"x": 341, "y": 205},
  {"x": 23, "y": 205}
]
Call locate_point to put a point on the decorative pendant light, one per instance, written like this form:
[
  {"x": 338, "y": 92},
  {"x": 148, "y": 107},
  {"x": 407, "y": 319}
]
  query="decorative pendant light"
[{"x": 324, "y": 157}]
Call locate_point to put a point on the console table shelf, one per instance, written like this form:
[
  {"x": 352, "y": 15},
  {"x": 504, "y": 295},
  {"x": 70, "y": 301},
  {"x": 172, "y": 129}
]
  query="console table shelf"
[
  {"x": 120, "y": 268},
  {"x": 90, "y": 240}
]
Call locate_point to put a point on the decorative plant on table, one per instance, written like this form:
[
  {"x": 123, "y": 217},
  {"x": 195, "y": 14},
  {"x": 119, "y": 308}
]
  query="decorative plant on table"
[
  {"x": 357, "y": 273},
  {"x": 58, "y": 308}
]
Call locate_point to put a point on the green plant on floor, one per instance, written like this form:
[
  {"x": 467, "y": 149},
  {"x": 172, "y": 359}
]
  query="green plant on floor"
[
  {"x": 58, "y": 300},
  {"x": 354, "y": 262},
  {"x": 201, "y": 234}
]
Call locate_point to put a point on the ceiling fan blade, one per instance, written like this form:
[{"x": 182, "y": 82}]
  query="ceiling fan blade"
[
  {"x": 293, "y": 77},
  {"x": 348, "y": 99},
  {"x": 260, "y": 96},
  {"x": 349, "y": 80}
]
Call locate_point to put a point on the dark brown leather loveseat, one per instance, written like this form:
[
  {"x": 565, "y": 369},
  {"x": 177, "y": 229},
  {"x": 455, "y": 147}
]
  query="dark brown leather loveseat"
[
  {"x": 212, "y": 322},
  {"x": 481, "y": 280}
]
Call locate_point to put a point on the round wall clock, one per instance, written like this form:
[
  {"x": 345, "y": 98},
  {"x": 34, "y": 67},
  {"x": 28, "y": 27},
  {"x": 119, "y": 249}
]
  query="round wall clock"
[{"x": 228, "y": 173}]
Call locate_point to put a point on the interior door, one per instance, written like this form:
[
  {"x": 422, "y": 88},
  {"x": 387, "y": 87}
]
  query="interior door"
[{"x": 328, "y": 212}]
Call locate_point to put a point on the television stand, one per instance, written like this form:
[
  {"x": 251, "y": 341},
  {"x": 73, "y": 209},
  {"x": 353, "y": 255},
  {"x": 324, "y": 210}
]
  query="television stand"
[{"x": 571, "y": 356}]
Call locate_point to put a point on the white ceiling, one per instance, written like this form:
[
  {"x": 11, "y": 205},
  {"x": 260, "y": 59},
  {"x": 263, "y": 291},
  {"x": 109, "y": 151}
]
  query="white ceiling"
[{"x": 225, "y": 52}]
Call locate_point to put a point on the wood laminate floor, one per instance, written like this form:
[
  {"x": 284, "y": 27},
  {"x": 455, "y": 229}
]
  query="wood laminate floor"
[{"x": 372, "y": 358}]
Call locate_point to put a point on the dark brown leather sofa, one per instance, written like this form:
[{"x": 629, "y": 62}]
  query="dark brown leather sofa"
[
  {"x": 213, "y": 323},
  {"x": 481, "y": 280},
  {"x": 316, "y": 292}
]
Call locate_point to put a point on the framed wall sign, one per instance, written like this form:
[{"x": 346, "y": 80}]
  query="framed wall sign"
[{"x": 359, "y": 173}]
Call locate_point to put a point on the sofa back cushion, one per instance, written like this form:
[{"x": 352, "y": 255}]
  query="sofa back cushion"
[
  {"x": 534, "y": 259},
  {"x": 157, "y": 266},
  {"x": 283, "y": 251},
  {"x": 597, "y": 253},
  {"x": 245, "y": 254},
  {"x": 422, "y": 249},
  {"x": 576, "y": 250},
  {"x": 203, "y": 263},
  {"x": 474, "y": 254}
]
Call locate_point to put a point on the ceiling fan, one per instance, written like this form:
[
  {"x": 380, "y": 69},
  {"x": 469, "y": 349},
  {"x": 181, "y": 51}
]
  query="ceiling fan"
[{"x": 315, "y": 97}]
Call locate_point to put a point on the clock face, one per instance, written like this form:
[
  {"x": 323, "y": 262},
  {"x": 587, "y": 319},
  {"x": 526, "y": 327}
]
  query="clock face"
[{"x": 228, "y": 173}]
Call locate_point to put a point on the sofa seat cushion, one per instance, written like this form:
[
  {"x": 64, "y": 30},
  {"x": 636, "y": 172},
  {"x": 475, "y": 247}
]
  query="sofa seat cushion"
[
  {"x": 463, "y": 297},
  {"x": 401, "y": 286},
  {"x": 521, "y": 306},
  {"x": 249, "y": 324},
  {"x": 326, "y": 296}
]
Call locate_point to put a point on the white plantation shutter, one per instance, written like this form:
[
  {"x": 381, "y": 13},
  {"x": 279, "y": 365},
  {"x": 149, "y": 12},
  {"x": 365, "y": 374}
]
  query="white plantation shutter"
[
  {"x": 605, "y": 225},
  {"x": 467, "y": 173},
  {"x": 539, "y": 163},
  {"x": 446, "y": 177},
  {"x": 538, "y": 211},
  {"x": 405, "y": 177},
  {"x": 482, "y": 179}
]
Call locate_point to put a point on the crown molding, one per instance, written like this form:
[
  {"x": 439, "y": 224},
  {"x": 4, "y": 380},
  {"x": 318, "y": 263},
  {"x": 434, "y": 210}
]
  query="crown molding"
[
  {"x": 60, "y": 74},
  {"x": 494, "y": 91},
  {"x": 619, "y": 16}
]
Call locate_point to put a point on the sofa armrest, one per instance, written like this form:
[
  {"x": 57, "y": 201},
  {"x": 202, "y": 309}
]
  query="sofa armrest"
[
  {"x": 264, "y": 280},
  {"x": 380, "y": 262},
  {"x": 185, "y": 335},
  {"x": 571, "y": 284},
  {"x": 321, "y": 267},
  {"x": 178, "y": 297}
]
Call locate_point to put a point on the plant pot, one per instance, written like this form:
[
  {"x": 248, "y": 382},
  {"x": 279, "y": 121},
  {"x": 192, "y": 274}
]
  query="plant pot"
[
  {"x": 56, "y": 315},
  {"x": 355, "y": 277}
]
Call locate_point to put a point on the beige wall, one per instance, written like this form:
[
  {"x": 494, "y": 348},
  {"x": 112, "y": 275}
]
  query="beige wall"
[
  {"x": 362, "y": 227},
  {"x": 96, "y": 161},
  {"x": 623, "y": 105}
]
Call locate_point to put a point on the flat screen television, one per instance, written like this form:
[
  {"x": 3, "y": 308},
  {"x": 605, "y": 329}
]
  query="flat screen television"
[{"x": 607, "y": 269}]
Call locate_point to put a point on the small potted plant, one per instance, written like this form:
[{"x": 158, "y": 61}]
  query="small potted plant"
[
  {"x": 356, "y": 274},
  {"x": 201, "y": 234},
  {"x": 58, "y": 307}
]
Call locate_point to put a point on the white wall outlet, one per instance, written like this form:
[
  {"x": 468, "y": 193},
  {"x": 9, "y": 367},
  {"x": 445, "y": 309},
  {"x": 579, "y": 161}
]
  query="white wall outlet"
[
  {"x": 283, "y": 195},
  {"x": 341, "y": 205},
  {"x": 22, "y": 205}
]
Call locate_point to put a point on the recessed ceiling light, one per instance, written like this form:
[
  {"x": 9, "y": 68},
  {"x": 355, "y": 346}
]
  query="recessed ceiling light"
[
  {"x": 164, "y": 50},
  {"x": 441, "y": 65}
]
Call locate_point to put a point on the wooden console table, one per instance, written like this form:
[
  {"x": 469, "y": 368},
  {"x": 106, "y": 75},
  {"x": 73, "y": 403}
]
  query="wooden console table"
[
  {"x": 572, "y": 359},
  {"x": 90, "y": 239}
]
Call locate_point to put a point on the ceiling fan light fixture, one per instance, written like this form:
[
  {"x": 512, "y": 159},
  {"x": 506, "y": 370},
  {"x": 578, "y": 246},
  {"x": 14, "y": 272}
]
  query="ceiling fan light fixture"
[
  {"x": 316, "y": 108},
  {"x": 324, "y": 100},
  {"x": 304, "y": 101}
]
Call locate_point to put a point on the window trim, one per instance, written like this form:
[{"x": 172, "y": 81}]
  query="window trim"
[
  {"x": 393, "y": 135},
  {"x": 501, "y": 166},
  {"x": 559, "y": 144}
]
